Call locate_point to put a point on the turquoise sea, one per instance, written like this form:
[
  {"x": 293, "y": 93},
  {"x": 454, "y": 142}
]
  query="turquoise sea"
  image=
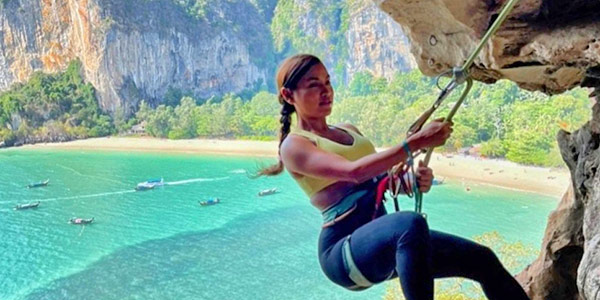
[{"x": 161, "y": 244}]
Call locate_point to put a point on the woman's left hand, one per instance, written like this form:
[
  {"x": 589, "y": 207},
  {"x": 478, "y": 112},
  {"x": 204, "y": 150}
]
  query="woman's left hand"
[{"x": 424, "y": 177}]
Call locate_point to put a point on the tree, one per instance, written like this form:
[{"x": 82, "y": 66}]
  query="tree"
[
  {"x": 49, "y": 103},
  {"x": 159, "y": 123},
  {"x": 173, "y": 97},
  {"x": 260, "y": 115},
  {"x": 361, "y": 84},
  {"x": 144, "y": 112},
  {"x": 185, "y": 126}
]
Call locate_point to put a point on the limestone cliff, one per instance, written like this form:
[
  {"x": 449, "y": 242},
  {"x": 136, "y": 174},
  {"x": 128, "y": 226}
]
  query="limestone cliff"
[
  {"x": 352, "y": 36},
  {"x": 545, "y": 45},
  {"x": 376, "y": 43},
  {"x": 133, "y": 50},
  {"x": 138, "y": 49}
]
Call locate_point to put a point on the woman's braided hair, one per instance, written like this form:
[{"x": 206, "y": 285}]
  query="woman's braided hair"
[{"x": 289, "y": 74}]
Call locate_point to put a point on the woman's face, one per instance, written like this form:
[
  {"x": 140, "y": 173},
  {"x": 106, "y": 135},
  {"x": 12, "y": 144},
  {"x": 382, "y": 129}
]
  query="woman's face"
[{"x": 313, "y": 96}]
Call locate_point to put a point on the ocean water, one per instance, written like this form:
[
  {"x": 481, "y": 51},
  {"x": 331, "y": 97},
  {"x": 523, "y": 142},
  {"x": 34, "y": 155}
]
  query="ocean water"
[{"x": 161, "y": 244}]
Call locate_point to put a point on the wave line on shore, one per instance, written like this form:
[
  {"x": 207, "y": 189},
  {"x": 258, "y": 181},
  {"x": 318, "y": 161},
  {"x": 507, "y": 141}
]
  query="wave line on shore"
[
  {"x": 82, "y": 196},
  {"x": 195, "y": 180},
  {"x": 180, "y": 182}
]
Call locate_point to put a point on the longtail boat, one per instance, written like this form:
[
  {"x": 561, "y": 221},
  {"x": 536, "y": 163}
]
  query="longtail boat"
[
  {"x": 81, "y": 221},
  {"x": 38, "y": 184},
  {"x": 28, "y": 205}
]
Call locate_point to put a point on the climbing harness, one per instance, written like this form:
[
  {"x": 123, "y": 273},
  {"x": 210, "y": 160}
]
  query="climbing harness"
[
  {"x": 360, "y": 281},
  {"x": 396, "y": 179}
]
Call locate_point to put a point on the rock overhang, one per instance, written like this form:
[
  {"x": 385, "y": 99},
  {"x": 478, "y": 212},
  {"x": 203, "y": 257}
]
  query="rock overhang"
[{"x": 544, "y": 45}]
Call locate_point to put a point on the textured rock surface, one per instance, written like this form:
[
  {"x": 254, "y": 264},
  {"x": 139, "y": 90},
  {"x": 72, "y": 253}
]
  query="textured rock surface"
[
  {"x": 376, "y": 43},
  {"x": 132, "y": 50},
  {"x": 138, "y": 49},
  {"x": 552, "y": 275},
  {"x": 545, "y": 45},
  {"x": 581, "y": 152},
  {"x": 350, "y": 35}
]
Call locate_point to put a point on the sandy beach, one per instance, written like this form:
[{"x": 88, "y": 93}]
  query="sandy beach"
[{"x": 469, "y": 170}]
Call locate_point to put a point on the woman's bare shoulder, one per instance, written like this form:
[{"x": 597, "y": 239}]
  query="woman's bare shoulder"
[
  {"x": 292, "y": 143},
  {"x": 295, "y": 150}
]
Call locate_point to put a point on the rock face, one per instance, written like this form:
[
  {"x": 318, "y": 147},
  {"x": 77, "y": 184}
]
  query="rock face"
[
  {"x": 133, "y": 50},
  {"x": 553, "y": 274},
  {"x": 350, "y": 35},
  {"x": 137, "y": 49},
  {"x": 376, "y": 43},
  {"x": 545, "y": 45},
  {"x": 580, "y": 151}
]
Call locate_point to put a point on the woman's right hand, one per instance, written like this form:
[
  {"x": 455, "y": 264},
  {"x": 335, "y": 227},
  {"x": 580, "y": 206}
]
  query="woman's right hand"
[{"x": 433, "y": 134}]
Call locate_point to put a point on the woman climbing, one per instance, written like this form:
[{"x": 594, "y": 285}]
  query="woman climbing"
[{"x": 338, "y": 169}]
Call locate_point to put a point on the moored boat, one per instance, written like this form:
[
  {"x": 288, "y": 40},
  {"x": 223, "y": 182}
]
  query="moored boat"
[
  {"x": 81, "y": 221},
  {"x": 211, "y": 201},
  {"x": 267, "y": 192},
  {"x": 38, "y": 184},
  {"x": 27, "y": 205}
]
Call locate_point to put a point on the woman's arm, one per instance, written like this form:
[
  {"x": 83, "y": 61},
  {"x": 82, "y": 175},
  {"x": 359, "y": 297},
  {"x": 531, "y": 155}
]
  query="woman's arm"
[{"x": 301, "y": 156}]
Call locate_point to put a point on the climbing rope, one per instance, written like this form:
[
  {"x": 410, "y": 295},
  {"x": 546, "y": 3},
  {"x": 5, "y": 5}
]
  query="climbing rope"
[{"x": 460, "y": 75}]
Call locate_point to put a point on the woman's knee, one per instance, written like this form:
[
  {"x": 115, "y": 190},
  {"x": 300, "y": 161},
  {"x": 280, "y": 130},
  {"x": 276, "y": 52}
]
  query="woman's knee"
[
  {"x": 410, "y": 225},
  {"x": 415, "y": 221}
]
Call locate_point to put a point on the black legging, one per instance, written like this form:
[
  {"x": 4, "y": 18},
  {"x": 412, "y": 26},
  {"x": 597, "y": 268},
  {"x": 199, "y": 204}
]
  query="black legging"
[{"x": 401, "y": 245}]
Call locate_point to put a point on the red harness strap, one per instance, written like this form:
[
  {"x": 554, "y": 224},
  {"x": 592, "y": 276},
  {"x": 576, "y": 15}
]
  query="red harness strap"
[
  {"x": 381, "y": 187},
  {"x": 398, "y": 183}
]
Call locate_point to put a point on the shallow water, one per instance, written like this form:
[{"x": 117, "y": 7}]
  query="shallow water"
[{"x": 161, "y": 244}]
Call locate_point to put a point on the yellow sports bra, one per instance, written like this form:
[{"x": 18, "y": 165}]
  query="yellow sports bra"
[{"x": 359, "y": 148}]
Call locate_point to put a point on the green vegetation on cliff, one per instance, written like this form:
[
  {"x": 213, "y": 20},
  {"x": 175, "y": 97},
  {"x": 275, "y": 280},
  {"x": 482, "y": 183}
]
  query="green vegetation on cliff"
[
  {"x": 317, "y": 27},
  {"x": 52, "y": 107}
]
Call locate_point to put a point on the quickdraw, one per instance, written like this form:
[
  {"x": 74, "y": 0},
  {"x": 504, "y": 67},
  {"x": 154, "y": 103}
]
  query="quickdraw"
[{"x": 396, "y": 176}]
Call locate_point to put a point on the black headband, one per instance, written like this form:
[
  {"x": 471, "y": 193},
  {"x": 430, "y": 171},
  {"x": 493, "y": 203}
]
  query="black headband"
[{"x": 295, "y": 76}]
